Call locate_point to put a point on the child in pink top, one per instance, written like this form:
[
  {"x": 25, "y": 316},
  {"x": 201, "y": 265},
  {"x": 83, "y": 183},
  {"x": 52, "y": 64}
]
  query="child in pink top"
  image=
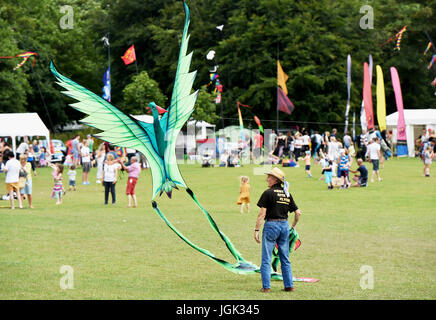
[{"x": 133, "y": 170}]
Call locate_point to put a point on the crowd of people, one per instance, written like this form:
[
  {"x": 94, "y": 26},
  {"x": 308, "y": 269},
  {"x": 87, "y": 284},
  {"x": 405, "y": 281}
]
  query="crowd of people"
[
  {"x": 335, "y": 154},
  {"x": 107, "y": 159}
]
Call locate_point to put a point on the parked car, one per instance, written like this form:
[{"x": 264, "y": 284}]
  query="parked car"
[{"x": 60, "y": 150}]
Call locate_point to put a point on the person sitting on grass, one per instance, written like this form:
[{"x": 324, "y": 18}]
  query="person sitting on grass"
[{"x": 362, "y": 179}]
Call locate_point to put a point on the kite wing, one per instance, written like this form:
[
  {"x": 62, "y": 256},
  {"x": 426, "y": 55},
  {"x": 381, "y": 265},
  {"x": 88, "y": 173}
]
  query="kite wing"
[
  {"x": 118, "y": 128},
  {"x": 181, "y": 107}
]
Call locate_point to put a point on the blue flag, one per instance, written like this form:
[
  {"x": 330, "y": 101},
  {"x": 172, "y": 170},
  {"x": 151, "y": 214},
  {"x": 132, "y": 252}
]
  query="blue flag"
[{"x": 107, "y": 85}]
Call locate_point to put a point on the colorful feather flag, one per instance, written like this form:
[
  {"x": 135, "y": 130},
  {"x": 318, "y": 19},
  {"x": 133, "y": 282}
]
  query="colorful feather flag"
[
  {"x": 130, "y": 55},
  {"x": 381, "y": 101},
  {"x": 347, "y": 109},
  {"x": 26, "y": 55},
  {"x": 433, "y": 83},
  {"x": 397, "y": 37},
  {"x": 428, "y": 48},
  {"x": 256, "y": 119},
  {"x": 367, "y": 97},
  {"x": 433, "y": 60},
  {"x": 241, "y": 123},
  {"x": 401, "y": 124}
]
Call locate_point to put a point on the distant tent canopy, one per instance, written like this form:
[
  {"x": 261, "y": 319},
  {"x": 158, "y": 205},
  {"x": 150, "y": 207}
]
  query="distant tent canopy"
[
  {"x": 416, "y": 120},
  {"x": 22, "y": 125}
]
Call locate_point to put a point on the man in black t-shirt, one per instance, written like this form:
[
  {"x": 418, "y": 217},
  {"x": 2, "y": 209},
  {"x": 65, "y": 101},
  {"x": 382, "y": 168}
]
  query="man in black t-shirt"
[{"x": 274, "y": 204}]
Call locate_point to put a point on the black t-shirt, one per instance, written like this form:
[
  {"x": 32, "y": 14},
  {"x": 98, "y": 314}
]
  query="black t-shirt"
[
  {"x": 276, "y": 203},
  {"x": 363, "y": 173}
]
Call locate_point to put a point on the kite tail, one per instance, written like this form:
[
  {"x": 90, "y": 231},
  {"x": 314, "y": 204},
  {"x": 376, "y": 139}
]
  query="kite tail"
[
  {"x": 242, "y": 267},
  {"x": 235, "y": 253}
]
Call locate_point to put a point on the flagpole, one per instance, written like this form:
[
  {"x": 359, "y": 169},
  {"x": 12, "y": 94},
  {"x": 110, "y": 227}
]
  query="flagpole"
[
  {"x": 277, "y": 95},
  {"x": 139, "y": 89}
]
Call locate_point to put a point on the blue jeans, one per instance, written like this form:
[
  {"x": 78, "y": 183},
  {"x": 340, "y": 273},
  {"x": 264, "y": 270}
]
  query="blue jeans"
[{"x": 276, "y": 232}]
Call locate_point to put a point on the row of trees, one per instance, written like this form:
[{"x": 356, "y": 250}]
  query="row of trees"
[{"x": 311, "y": 38}]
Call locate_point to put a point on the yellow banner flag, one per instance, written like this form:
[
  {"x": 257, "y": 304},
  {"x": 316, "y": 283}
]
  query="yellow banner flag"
[
  {"x": 282, "y": 77},
  {"x": 381, "y": 101}
]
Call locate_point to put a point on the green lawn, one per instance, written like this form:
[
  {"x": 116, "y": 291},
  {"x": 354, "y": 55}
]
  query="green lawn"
[{"x": 121, "y": 253}]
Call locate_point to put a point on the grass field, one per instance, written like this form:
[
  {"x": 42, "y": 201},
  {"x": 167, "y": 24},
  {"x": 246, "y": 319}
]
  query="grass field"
[{"x": 121, "y": 253}]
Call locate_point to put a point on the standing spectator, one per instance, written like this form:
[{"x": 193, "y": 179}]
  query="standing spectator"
[
  {"x": 306, "y": 141},
  {"x": 363, "y": 144},
  {"x": 344, "y": 164},
  {"x": 298, "y": 145},
  {"x": 22, "y": 148},
  {"x": 31, "y": 159},
  {"x": 334, "y": 133},
  {"x": 274, "y": 204},
  {"x": 272, "y": 141},
  {"x": 374, "y": 154},
  {"x": 90, "y": 140},
  {"x": 100, "y": 155},
  {"x": 86, "y": 162},
  {"x": 280, "y": 145},
  {"x": 43, "y": 156},
  {"x": 333, "y": 149},
  {"x": 316, "y": 143},
  {"x": 347, "y": 140},
  {"x": 27, "y": 189},
  {"x": 290, "y": 144},
  {"x": 75, "y": 148},
  {"x": 110, "y": 176},
  {"x": 134, "y": 169},
  {"x": 6, "y": 150},
  {"x": 258, "y": 142},
  {"x": 428, "y": 158},
  {"x": 12, "y": 169}
]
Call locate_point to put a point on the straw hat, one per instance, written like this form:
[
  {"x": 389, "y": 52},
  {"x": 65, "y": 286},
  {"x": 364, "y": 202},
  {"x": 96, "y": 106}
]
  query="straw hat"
[{"x": 276, "y": 172}]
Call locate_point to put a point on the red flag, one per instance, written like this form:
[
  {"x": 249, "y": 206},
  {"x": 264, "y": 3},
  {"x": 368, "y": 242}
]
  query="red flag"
[
  {"x": 283, "y": 102},
  {"x": 129, "y": 56}
]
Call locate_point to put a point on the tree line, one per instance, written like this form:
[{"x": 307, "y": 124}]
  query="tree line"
[{"x": 311, "y": 39}]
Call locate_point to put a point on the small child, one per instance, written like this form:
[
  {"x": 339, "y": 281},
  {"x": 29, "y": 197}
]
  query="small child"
[
  {"x": 72, "y": 177},
  {"x": 328, "y": 172},
  {"x": 428, "y": 157},
  {"x": 307, "y": 159},
  {"x": 43, "y": 157},
  {"x": 58, "y": 188},
  {"x": 244, "y": 194}
]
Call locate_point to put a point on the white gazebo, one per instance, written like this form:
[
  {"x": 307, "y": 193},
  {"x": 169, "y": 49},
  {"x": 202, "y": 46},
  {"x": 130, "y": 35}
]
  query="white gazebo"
[
  {"x": 416, "y": 120},
  {"x": 21, "y": 125}
]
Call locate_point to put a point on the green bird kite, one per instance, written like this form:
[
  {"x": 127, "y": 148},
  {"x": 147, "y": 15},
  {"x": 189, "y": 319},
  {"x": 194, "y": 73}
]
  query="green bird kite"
[{"x": 156, "y": 141}]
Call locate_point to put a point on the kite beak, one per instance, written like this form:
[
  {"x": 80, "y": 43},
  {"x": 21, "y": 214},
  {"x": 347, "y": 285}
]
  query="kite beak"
[{"x": 161, "y": 110}]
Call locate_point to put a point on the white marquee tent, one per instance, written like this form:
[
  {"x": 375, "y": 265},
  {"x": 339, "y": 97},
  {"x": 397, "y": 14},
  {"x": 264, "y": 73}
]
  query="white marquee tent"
[
  {"x": 416, "y": 120},
  {"x": 22, "y": 124}
]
